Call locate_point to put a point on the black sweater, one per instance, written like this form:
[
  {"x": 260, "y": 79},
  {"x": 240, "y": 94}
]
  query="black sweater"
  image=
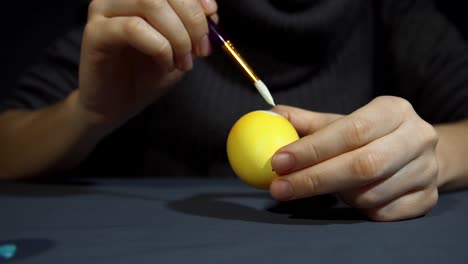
[{"x": 329, "y": 56}]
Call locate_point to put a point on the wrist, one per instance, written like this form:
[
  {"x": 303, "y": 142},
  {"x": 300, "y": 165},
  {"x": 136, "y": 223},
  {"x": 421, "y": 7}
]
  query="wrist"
[
  {"x": 451, "y": 153},
  {"x": 87, "y": 121},
  {"x": 441, "y": 152}
]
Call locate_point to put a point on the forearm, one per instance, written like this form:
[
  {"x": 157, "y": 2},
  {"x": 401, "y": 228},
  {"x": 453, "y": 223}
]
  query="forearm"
[
  {"x": 46, "y": 140},
  {"x": 452, "y": 151}
]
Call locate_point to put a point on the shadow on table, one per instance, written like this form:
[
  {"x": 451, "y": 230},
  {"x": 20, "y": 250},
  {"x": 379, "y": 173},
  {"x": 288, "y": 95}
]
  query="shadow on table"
[
  {"x": 26, "y": 248},
  {"x": 320, "y": 210}
]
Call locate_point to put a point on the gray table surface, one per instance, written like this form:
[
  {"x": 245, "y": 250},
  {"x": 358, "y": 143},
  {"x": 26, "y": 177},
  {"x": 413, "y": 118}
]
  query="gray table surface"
[{"x": 141, "y": 220}]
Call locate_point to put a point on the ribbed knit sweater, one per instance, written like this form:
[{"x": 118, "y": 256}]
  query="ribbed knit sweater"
[{"x": 330, "y": 56}]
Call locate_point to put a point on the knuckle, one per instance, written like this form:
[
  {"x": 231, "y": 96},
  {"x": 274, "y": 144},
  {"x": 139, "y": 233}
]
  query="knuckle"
[
  {"x": 395, "y": 103},
  {"x": 183, "y": 44},
  {"x": 312, "y": 152},
  {"x": 358, "y": 132},
  {"x": 196, "y": 16},
  {"x": 385, "y": 100},
  {"x": 366, "y": 167},
  {"x": 367, "y": 200},
  {"x": 312, "y": 183},
  {"x": 429, "y": 134},
  {"x": 180, "y": 44},
  {"x": 431, "y": 173},
  {"x": 163, "y": 48},
  {"x": 406, "y": 209},
  {"x": 134, "y": 25},
  {"x": 403, "y": 104},
  {"x": 434, "y": 169},
  {"x": 151, "y": 4}
]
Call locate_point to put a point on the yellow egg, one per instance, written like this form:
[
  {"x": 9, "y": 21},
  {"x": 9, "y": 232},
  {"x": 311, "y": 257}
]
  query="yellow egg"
[{"x": 252, "y": 142}]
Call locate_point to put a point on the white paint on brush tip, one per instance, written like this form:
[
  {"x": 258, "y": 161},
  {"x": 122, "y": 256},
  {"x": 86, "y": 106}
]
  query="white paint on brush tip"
[{"x": 263, "y": 90}]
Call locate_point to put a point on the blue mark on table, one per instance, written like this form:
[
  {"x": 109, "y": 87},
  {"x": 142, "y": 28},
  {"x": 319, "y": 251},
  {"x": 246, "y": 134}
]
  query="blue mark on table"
[{"x": 7, "y": 251}]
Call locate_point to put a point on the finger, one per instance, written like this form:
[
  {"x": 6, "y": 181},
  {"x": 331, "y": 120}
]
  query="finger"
[
  {"x": 306, "y": 122},
  {"x": 101, "y": 7},
  {"x": 417, "y": 175},
  {"x": 408, "y": 206},
  {"x": 111, "y": 35},
  {"x": 193, "y": 17},
  {"x": 379, "y": 118},
  {"x": 215, "y": 18},
  {"x": 161, "y": 16},
  {"x": 369, "y": 164},
  {"x": 209, "y": 6}
]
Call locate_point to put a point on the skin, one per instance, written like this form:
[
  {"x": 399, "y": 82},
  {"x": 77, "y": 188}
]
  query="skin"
[
  {"x": 132, "y": 51},
  {"x": 383, "y": 158}
]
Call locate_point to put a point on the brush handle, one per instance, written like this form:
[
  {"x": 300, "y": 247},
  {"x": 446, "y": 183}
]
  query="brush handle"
[
  {"x": 215, "y": 35},
  {"x": 218, "y": 38}
]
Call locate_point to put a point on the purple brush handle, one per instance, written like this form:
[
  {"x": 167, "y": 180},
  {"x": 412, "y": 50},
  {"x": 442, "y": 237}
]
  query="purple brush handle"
[{"x": 215, "y": 34}]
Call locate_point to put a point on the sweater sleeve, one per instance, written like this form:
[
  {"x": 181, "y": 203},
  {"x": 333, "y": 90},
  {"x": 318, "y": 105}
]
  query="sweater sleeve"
[
  {"x": 50, "y": 80},
  {"x": 426, "y": 59}
]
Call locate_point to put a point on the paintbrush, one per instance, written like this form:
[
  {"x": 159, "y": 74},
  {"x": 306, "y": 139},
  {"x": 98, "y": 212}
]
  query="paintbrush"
[{"x": 219, "y": 39}]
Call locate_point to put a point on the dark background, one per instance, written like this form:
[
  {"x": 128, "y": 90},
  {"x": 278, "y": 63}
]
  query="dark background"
[{"x": 28, "y": 27}]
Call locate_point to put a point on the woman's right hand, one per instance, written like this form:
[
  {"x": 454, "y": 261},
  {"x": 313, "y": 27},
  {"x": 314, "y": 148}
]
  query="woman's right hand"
[{"x": 132, "y": 50}]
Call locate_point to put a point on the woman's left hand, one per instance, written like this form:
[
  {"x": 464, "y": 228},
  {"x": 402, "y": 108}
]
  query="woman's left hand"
[{"x": 380, "y": 158}]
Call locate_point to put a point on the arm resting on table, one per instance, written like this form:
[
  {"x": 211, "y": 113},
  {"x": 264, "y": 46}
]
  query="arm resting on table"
[{"x": 42, "y": 141}]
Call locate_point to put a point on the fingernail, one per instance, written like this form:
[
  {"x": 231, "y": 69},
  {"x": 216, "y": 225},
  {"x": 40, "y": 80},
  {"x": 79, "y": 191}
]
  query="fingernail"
[
  {"x": 204, "y": 47},
  {"x": 283, "y": 163},
  {"x": 185, "y": 62},
  {"x": 281, "y": 190},
  {"x": 209, "y": 5}
]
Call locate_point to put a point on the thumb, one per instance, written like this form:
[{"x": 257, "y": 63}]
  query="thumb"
[{"x": 306, "y": 122}]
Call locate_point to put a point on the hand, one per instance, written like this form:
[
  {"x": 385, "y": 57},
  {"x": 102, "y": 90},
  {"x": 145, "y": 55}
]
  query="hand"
[
  {"x": 380, "y": 158},
  {"x": 132, "y": 50}
]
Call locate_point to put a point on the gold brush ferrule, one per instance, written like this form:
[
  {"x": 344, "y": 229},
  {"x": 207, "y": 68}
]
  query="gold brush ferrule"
[{"x": 227, "y": 46}]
